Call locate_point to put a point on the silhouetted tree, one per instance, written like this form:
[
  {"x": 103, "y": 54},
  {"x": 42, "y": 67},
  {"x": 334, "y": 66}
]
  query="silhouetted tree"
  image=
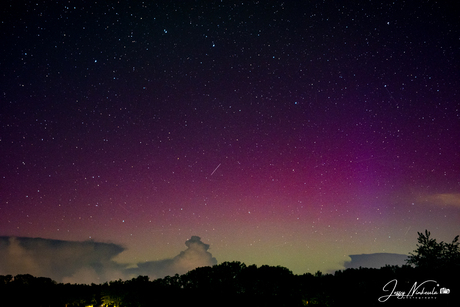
[
  {"x": 113, "y": 293},
  {"x": 5, "y": 279},
  {"x": 138, "y": 292},
  {"x": 433, "y": 255}
]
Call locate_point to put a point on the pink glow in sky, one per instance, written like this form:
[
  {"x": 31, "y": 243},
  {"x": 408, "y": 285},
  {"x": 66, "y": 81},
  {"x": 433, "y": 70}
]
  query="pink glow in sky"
[{"x": 280, "y": 134}]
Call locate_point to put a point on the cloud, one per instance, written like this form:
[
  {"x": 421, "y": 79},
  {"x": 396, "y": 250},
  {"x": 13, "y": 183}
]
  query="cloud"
[
  {"x": 91, "y": 262},
  {"x": 445, "y": 199},
  {"x": 63, "y": 261},
  {"x": 376, "y": 260},
  {"x": 196, "y": 255}
]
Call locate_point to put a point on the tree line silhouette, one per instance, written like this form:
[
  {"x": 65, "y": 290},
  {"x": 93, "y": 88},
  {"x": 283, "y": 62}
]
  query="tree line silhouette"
[{"x": 237, "y": 284}]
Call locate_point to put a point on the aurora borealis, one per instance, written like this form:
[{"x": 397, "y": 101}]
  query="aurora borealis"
[{"x": 289, "y": 133}]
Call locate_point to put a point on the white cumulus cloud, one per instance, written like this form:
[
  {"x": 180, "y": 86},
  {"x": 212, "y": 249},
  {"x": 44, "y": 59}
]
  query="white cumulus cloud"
[{"x": 91, "y": 262}]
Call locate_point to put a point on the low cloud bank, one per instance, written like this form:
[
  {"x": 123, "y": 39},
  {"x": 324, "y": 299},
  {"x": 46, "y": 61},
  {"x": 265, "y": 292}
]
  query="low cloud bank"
[
  {"x": 376, "y": 260},
  {"x": 63, "y": 261},
  {"x": 196, "y": 255},
  {"x": 446, "y": 199},
  {"x": 91, "y": 262}
]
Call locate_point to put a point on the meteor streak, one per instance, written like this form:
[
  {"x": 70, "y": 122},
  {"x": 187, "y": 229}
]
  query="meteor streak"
[{"x": 215, "y": 169}]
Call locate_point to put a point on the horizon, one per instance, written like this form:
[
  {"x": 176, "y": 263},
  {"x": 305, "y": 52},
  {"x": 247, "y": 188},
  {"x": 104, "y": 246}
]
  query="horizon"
[{"x": 86, "y": 262}]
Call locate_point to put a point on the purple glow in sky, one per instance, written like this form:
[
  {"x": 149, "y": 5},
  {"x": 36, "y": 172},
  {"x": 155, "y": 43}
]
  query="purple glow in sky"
[{"x": 281, "y": 133}]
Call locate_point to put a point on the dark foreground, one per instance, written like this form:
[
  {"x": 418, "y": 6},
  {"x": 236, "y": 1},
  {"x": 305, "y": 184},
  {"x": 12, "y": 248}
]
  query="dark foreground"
[{"x": 235, "y": 284}]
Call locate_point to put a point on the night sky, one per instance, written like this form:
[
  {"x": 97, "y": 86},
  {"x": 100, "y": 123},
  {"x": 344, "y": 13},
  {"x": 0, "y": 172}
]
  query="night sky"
[{"x": 291, "y": 133}]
